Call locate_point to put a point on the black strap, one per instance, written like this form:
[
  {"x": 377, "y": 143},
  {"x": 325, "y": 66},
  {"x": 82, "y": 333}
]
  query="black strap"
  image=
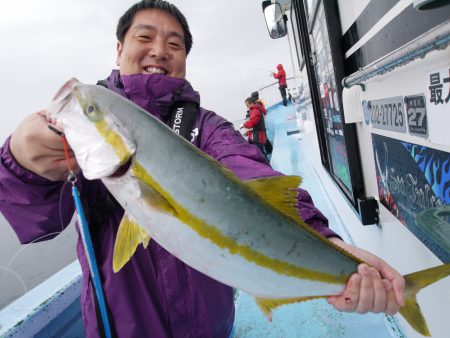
[
  {"x": 182, "y": 114},
  {"x": 99, "y": 212},
  {"x": 182, "y": 118},
  {"x": 102, "y": 83}
]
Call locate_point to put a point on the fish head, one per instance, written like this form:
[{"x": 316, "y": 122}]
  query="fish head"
[{"x": 100, "y": 142}]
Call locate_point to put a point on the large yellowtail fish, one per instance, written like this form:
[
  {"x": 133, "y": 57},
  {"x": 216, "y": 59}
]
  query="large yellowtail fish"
[{"x": 246, "y": 234}]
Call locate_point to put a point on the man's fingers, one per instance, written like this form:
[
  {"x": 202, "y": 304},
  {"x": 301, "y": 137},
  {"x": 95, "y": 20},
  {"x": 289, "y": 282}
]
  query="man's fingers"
[
  {"x": 391, "y": 303},
  {"x": 398, "y": 286},
  {"x": 37, "y": 131},
  {"x": 366, "y": 296},
  {"x": 380, "y": 295},
  {"x": 397, "y": 280},
  {"x": 349, "y": 299},
  {"x": 43, "y": 114}
]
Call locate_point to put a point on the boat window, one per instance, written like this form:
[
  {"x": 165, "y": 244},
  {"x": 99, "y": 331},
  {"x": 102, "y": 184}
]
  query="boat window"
[
  {"x": 332, "y": 118},
  {"x": 338, "y": 141}
]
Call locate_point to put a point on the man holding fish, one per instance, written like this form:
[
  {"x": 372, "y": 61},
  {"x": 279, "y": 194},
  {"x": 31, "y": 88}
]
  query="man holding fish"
[{"x": 154, "y": 293}]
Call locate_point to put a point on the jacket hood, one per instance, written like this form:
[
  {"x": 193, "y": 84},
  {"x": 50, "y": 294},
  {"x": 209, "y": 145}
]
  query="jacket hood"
[
  {"x": 259, "y": 107},
  {"x": 280, "y": 66},
  {"x": 262, "y": 108},
  {"x": 156, "y": 93}
]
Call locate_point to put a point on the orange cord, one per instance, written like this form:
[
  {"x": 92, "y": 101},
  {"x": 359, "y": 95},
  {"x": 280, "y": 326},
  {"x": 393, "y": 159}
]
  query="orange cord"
[
  {"x": 72, "y": 178},
  {"x": 66, "y": 152},
  {"x": 64, "y": 142}
]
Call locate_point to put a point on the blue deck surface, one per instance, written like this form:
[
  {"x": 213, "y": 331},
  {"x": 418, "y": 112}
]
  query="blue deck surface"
[{"x": 316, "y": 318}]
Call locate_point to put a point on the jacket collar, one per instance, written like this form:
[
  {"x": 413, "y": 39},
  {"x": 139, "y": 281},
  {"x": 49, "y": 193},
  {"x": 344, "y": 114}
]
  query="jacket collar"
[{"x": 156, "y": 93}]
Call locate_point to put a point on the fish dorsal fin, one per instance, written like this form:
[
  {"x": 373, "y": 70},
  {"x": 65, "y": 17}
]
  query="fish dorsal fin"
[
  {"x": 129, "y": 235},
  {"x": 279, "y": 191},
  {"x": 267, "y": 305}
]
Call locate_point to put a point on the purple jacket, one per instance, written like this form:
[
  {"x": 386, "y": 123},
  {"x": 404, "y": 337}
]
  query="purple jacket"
[{"x": 155, "y": 294}]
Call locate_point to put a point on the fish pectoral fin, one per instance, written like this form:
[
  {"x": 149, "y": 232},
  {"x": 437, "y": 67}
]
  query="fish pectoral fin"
[
  {"x": 129, "y": 235},
  {"x": 414, "y": 283},
  {"x": 267, "y": 305},
  {"x": 150, "y": 191},
  {"x": 279, "y": 191}
]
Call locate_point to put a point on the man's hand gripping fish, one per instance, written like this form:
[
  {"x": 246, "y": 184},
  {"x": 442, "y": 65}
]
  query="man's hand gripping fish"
[{"x": 247, "y": 234}]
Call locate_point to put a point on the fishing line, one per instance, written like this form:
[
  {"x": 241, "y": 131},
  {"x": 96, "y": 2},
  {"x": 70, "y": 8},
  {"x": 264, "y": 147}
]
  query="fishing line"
[
  {"x": 60, "y": 206},
  {"x": 263, "y": 70},
  {"x": 7, "y": 268},
  {"x": 19, "y": 278}
]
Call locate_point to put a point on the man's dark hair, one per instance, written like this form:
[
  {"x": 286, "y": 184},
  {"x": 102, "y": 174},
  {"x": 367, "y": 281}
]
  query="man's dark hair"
[{"x": 126, "y": 19}]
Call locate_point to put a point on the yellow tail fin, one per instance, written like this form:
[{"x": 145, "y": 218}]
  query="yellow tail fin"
[
  {"x": 414, "y": 283},
  {"x": 411, "y": 311}
]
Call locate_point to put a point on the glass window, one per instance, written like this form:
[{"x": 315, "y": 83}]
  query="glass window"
[{"x": 331, "y": 114}]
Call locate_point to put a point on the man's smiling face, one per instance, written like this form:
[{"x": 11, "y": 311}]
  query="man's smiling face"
[{"x": 154, "y": 44}]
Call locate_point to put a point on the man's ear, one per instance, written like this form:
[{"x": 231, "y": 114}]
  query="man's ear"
[{"x": 119, "y": 52}]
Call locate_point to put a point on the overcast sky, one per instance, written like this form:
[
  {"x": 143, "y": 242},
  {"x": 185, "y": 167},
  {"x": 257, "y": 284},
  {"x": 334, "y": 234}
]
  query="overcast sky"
[{"x": 46, "y": 42}]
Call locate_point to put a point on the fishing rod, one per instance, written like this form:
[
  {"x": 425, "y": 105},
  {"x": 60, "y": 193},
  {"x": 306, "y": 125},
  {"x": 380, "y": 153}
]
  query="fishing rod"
[
  {"x": 264, "y": 70},
  {"x": 90, "y": 254},
  {"x": 87, "y": 240}
]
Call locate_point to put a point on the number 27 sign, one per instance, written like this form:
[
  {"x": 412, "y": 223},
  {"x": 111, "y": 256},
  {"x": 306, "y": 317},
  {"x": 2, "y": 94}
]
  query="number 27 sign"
[{"x": 416, "y": 115}]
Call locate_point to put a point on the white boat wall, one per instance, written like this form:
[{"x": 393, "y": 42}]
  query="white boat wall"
[{"x": 379, "y": 73}]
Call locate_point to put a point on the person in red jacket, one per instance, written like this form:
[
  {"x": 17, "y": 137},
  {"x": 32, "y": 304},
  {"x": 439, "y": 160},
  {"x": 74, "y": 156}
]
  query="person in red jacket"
[
  {"x": 281, "y": 76},
  {"x": 255, "y": 96},
  {"x": 257, "y": 134}
]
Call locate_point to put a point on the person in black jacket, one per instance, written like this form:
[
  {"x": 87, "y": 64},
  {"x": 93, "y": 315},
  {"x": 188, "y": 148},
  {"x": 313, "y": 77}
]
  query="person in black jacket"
[
  {"x": 255, "y": 97},
  {"x": 255, "y": 124}
]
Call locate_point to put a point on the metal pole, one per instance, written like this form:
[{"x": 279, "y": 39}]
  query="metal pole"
[
  {"x": 436, "y": 38},
  {"x": 292, "y": 58}
]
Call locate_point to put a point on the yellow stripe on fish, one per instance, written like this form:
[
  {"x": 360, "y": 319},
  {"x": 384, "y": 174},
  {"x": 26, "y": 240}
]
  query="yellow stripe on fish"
[
  {"x": 218, "y": 238},
  {"x": 114, "y": 139}
]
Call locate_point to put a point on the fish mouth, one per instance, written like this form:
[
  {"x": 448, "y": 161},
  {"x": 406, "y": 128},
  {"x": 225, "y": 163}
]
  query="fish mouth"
[
  {"x": 60, "y": 101},
  {"x": 66, "y": 89}
]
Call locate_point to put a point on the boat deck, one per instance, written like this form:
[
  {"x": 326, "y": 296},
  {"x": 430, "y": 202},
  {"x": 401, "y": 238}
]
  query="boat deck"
[{"x": 296, "y": 152}]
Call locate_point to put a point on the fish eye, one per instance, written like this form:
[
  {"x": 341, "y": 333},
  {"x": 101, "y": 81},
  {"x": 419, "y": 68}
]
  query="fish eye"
[
  {"x": 91, "y": 109},
  {"x": 92, "y": 112}
]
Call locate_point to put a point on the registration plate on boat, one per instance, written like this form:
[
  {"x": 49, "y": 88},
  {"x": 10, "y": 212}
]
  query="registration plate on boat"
[
  {"x": 417, "y": 115},
  {"x": 388, "y": 114}
]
